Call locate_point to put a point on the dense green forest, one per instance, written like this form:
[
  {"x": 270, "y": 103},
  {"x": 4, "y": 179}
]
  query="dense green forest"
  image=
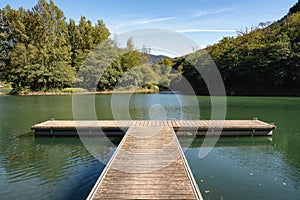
[
  {"x": 262, "y": 61},
  {"x": 40, "y": 50}
]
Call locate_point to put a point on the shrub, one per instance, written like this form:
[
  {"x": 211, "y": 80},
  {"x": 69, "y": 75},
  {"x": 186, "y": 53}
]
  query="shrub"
[
  {"x": 152, "y": 87},
  {"x": 73, "y": 90}
]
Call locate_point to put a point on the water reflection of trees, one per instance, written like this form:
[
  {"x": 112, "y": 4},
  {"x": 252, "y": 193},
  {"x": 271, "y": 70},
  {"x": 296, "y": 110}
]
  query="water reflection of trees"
[
  {"x": 196, "y": 142},
  {"x": 49, "y": 158}
]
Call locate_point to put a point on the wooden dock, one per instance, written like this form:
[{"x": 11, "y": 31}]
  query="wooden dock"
[
  {"x": 148, "y": 164},
  {"x": 113, "y": 127}
]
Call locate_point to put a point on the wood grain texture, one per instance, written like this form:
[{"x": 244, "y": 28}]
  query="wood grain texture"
[
  {"x": 148, "y": 164},
  {"x": 205, "y": 127}
]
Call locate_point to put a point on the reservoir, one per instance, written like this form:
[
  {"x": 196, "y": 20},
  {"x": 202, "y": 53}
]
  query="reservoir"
[{"x": 236, "y": 168}]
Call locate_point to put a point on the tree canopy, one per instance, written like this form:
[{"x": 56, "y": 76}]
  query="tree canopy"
[
  {"x": 264, "y": 61},
  {"x": 40, "y": 50}
]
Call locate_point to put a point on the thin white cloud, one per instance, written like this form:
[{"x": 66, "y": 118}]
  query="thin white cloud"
[
  {"x": 143, "y": 21},
  {"x": 214, "y": 11},
  {"x": 206, "y": 30}
]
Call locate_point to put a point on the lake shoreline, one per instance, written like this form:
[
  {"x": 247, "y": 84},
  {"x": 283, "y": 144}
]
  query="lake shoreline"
[
  {"x": 149, "y": 91},
  {"x": 46, "y": 93}
]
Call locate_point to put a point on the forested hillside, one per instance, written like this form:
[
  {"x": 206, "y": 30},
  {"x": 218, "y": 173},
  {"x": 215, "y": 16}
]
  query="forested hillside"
[
  {"x": 40, "y": 50},
  {"x": 262, "y": 61}
]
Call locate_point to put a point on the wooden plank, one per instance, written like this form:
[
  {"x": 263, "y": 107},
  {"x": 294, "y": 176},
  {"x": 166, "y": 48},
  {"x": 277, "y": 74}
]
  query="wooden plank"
[
  {"x": 237, "y": 127},
  {"x": 148, "y": 164},
  {"x": 175, "y": 123}
]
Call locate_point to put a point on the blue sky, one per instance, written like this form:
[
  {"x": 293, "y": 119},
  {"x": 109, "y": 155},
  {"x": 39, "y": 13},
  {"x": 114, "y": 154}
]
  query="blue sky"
[{"x": 204, "y": 21}]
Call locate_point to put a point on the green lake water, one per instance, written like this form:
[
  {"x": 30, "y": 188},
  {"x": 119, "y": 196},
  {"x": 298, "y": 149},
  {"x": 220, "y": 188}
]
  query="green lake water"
[{"x": 236, "y": 168}]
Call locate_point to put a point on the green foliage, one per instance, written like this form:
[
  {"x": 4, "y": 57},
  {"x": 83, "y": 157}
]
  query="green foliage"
[
  {"x": 167, "y": 62},
  {"x": 101, "y": 68},
  {"x": 295, "y": 8},
  {"x": 164, "y": 73},
  {"x": 263, "y": 61},
  {"x": 152, "y": 86},
  {"x": 130, "y": 59},
  {"x": 73, "y": 90},
  {"x": 138, "y": 77},
  {"x": 40, "y": 51},
  {"x": 15, "y": 91}
]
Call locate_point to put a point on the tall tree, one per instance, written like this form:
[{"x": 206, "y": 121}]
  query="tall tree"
[
  {"x": 55, "y": 50},
  {"x": 39, "y": 50}
]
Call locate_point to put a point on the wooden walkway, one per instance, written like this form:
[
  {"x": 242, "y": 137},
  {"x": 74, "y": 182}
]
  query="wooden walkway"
[
  {"x": 229, "y": 127},
  {"x": 148, "y": 164}
]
